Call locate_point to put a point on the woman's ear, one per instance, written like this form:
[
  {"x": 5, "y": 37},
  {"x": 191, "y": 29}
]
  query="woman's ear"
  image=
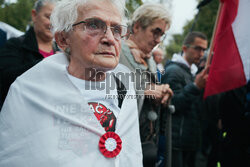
[
  {"x": 62, "y": 39},
  {"x": 136, "y": 27},
  {"x": 33, "y": 15}
]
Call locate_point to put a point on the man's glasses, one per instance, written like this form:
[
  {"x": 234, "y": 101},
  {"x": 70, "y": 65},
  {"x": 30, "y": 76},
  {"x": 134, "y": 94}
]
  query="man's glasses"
[
  {"x": 197, "y": 48},
  {"x": 95, "y": 26},
  {"x": 157, "y": 32}
]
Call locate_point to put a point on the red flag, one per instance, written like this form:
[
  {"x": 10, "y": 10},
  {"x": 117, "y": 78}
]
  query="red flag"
[{"x": 230, "y": 64}]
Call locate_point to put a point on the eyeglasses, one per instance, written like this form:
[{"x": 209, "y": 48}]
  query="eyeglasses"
[
  {"x": 157, "y": 32},
  {"x": 95, "y": 26},
  {"x": 197, "y": 48}
]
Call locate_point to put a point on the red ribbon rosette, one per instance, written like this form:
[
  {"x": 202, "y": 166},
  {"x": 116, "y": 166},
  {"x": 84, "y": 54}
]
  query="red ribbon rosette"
[{"x": 110, "y": 144}]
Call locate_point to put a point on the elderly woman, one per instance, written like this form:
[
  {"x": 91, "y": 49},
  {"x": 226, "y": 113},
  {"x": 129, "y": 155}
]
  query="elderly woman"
[
  {"x": 149, "y": 23},
  {"x": 63, "y": 118},
  {"x": 21, "y": 53}
]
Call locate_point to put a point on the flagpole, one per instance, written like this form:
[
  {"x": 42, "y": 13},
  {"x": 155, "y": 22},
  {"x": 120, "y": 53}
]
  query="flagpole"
[{"x": 210, "y": 55}]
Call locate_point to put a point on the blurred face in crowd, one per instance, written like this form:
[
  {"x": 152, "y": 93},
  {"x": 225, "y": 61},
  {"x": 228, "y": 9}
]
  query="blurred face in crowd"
[
  {"x": 158, "y": 55},
  {"x": 146, "y": 39},
  {"x": 195, "y": 51},
  {"x": 91, "y": 48},
  {"x": 41, "y": 20}
]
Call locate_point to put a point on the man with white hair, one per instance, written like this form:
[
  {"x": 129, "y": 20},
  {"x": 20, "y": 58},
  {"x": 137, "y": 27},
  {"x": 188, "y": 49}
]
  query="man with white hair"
[
  {"x": 59, "y": 114},
  {"x": 158, "y": 55}
]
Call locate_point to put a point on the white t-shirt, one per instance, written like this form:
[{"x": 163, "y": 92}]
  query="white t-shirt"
[{"x": 98, "y": 92}]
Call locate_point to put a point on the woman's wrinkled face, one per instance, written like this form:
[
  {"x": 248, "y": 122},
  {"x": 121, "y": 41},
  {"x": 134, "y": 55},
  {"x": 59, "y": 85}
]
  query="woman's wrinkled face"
[
  {"x": 149, "y": 37},
  {"x": 90, "y": 50},
  {"x": 41, "y": 22}
]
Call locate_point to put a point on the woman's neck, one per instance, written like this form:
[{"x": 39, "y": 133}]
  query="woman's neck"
[
  {"x": 88, "y": 74},
  {"x": 45, "y": 46},
  {"x": 139, "y": 56}
]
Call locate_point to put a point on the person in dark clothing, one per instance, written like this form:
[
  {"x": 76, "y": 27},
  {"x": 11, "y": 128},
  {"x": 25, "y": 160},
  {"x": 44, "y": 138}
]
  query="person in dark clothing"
[
  {"x": 3, "y": 37},
  {"x": 185, "y": 120},
  {"x": 208, "y": 113},
  {"x": 21, "y": 53},
  {"x": 234, "y": 107}
]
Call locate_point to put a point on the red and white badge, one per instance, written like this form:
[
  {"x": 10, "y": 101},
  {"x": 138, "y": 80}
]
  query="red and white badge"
[{"x": 110, "y": 144}]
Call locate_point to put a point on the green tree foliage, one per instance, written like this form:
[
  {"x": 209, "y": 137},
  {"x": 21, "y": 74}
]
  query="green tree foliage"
[
  {"x": 1, "y": 2},
  {"x": 174, "y": 45},
  {"x": 206, "y": 20},
  {"x": 17, "y": 14},
  {"x": 205, "y": 23},
  {"x": 131, "y": 5}
]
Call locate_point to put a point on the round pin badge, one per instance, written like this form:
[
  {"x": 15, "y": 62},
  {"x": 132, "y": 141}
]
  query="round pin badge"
[{"x": 110, "y": 144}]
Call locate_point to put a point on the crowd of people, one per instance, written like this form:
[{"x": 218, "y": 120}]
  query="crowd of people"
[{"x": 86, "y": 86}]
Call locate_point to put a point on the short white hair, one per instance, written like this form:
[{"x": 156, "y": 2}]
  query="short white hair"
[
  {"x": 147, "y": 13},
  {"x": 65, "y": 13}
]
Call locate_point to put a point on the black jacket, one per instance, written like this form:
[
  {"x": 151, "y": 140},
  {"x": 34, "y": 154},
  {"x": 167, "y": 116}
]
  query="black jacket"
[
  {"x": 185, "y": 120},
  {"x": 235, "y": 121},
  {"x": 234, "y": 116},
  {"x": 17, "y": 56}
]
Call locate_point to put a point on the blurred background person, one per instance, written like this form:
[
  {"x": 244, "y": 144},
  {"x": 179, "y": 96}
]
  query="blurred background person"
[
  {"x": 158, "y": 55},
  {"x": 149, "y": 23},
  {"x": 209, "y": 151},
  {"x": 187, "y": 89},
  {"x": 21, "y": 53}
]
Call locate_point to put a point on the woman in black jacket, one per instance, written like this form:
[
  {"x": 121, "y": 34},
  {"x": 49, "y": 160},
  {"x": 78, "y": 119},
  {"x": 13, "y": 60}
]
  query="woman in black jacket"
[{"x": 20, "y": 54}]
